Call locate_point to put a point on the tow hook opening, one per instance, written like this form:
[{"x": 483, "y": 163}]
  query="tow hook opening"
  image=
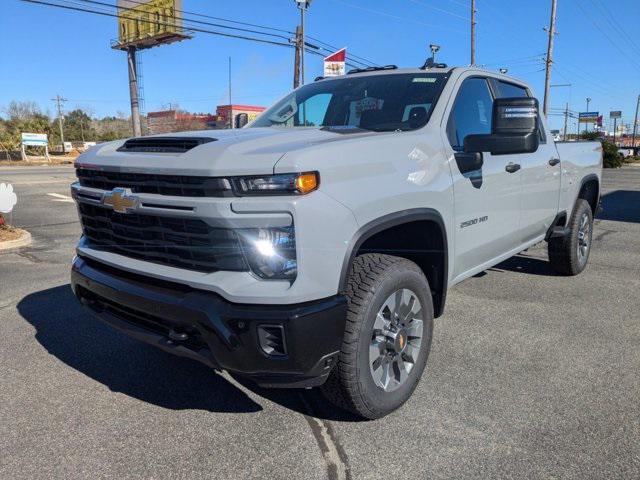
[{"x": 178, "y": 336}]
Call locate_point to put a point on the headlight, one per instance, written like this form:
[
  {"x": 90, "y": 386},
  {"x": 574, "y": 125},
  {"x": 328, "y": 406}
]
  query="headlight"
[
  {"x": 281, "y": 184},
  {"x": 271, "y": 252}
]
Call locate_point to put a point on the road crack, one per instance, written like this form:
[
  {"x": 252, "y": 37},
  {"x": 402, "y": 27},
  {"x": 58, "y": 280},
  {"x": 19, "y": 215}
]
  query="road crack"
[{"x": 333, "y": 453}]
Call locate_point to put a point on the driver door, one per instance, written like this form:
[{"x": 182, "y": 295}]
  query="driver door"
[{"x": 487, "y": 196}]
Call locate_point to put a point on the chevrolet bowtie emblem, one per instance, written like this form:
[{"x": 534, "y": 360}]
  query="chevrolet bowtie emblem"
[{"x": 121, "y": 200}]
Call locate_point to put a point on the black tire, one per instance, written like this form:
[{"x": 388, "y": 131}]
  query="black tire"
[
  {"x": 564, "y": 254},
  {"x": 373, "y": 279}
]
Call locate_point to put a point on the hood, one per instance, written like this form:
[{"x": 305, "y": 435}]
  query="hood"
[{"x": 247, "y": 151}]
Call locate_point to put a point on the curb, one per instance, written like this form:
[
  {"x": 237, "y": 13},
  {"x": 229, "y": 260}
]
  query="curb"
[{"x": 23, "y": 241}]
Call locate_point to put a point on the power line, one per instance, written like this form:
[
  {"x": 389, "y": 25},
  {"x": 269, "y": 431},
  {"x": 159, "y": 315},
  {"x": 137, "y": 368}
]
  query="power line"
[
  {"x": 334, "y": 48},
  {"x": 194, "y": 29},
  {"x": 202, "y": 15},
  {"x": 396, "y": 17},
  {"x": 418, "y": 2},
  {"x": 606, "y": 35},
  {"x": 189, "y": 28},
  {"x": 183, "y": 19},
  {"x": 365, "y": 62},
  {"x": 616, "y": 25}
]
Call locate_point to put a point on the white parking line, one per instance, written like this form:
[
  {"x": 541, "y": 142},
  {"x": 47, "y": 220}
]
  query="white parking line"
[{"x": 60, "y": 198}]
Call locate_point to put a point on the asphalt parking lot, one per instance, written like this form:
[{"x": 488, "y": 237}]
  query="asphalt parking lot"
[{"x": 531, "y": 375}]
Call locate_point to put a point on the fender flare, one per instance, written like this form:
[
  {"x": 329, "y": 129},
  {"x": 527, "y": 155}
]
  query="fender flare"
[
  {"x": 392, "y": 220},
  {"x": 585, "y": 179}
]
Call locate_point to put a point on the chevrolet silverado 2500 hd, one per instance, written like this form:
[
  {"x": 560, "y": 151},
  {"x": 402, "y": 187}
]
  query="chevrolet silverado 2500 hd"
[{"x": 315, "y": 246}]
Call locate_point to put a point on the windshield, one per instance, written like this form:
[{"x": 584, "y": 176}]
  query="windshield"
[{"x": 372, "y": 102}]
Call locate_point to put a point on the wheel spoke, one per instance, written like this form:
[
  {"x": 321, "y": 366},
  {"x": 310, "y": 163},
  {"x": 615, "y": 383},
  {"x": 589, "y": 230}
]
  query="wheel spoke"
[
  {"x": 407, "y": 356},
  {"x": 386, "y": 374},
  {"x": 381, "y": 323},
  {"x": 375, "y": 350},
  {"x": 414, "y": 330},
  {"x": 399, "y": 371}
]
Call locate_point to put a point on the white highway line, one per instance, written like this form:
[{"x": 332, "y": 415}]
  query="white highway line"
[
  {"x": 60, "y": 198},
  {"x": 34, "y": 182}
]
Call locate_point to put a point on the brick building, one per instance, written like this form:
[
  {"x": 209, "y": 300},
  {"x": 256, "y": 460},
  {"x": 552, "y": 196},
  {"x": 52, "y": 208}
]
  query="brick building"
[{"x": 168, "y": 121}]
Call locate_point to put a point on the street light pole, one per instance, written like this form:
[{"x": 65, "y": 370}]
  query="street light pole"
[
  {"x": 587, "y": 123},
  {"x": 635, "y": 125}
]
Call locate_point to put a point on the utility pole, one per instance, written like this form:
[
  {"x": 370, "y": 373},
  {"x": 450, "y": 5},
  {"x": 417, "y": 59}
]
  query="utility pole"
[
  {"x": 133, "y": 92},
  {"x": 566, "y": 116},
  {"x": 302, "y": 5},
  {"x": 549, "y": 61},
  {"x": 59, "y": 101},
  {"x": 473, "y": 32},
  {"x": 296, "y": 63},
  {"x": 230, "y": 103},
  {"x": 635, "y": 126}
]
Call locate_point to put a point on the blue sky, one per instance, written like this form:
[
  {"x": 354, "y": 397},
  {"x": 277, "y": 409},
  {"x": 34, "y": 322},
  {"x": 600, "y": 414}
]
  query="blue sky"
[{"x": 53, "y": 51}]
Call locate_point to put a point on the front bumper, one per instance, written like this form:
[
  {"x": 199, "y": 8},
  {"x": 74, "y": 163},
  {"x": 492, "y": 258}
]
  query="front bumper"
[{"x": 203, "y": 326}]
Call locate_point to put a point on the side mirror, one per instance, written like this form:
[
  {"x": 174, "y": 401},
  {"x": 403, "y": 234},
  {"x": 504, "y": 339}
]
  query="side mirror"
[{"x": 515, "y": 129}]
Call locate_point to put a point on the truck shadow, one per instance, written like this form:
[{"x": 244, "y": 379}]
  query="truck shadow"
[
  {"x": 525, "y": 264},
  {"x": 621, "y": 206},
  {"x": 133, "y": 368},
  {"x": 122, "y": 364}
]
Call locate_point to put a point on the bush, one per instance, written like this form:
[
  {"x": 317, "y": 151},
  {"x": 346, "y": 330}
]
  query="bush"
[{"x": 611, "y": 157}]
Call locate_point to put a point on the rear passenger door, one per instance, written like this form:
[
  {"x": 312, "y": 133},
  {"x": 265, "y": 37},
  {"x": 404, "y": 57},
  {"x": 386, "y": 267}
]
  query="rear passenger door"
[
  {"x": 539, "y": 173},
  {"x": 487, "y": 198}
]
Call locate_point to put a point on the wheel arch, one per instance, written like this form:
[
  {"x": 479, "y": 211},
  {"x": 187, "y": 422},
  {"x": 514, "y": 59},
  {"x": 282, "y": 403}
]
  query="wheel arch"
[
  {"x": 590, "y": 191},
  {"x": 395, "y": 234}
]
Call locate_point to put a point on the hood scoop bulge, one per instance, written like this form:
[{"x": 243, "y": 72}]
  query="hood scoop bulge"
[{"x": 163, "y": 144}]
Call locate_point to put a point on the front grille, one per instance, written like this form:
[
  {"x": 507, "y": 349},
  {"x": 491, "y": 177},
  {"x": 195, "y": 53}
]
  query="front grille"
[
  {"x": 179, "y": 242},
  {"x": 175, "y": 185}
]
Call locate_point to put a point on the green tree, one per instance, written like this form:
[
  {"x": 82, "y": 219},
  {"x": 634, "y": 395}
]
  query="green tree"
[
  {"x": 593, "y": 135},
  {"x": 78, "y": 127},
  {"x": 611, "y": 156}
]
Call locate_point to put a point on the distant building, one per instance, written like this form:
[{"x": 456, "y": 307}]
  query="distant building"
[
  {"x": 251, "y": 111},
  {"x": 168, "y": 121}
]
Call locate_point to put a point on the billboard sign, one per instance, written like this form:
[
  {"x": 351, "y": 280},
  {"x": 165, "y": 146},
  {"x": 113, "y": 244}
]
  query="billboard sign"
[
  {"x": 615, "y": 114},
  {"x": 144, "y": 24},
  {"x": 35, "y": 140},
  {"x": 334, "y": 64},
  {"x": 588, "y": 117}
]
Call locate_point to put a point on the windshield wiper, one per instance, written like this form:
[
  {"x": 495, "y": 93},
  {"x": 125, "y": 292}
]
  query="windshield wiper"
[{"x": 345, "y": 129}]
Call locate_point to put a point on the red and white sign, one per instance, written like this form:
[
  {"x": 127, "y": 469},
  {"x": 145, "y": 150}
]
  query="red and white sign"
[{"x": 334, "y": 64}]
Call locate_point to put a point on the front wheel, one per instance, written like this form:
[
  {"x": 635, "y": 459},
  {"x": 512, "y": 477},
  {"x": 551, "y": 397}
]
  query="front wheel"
[
  {"x": 387, "y": 336},
  {"x": 568, "y": 255}
]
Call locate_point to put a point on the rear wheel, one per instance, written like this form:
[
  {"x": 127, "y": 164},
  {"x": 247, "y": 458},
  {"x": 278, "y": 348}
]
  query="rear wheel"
[
  {"x": 569, "y": 254},
  {"x": 387, "y": 336}
]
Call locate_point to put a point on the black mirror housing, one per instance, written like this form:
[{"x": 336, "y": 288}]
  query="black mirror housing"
[
  {"x": 502, "y": 144},
  {"x": 514, "y": 128}
]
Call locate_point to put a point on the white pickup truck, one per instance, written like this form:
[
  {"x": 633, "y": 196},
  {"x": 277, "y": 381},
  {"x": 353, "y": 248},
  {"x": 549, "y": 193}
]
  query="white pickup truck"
[{"x": 315, "y": 246}]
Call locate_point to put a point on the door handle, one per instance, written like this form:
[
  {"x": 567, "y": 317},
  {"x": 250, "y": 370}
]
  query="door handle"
[
  {"x": 554, "y": 161},
  {"x": 512, "y": 167}
]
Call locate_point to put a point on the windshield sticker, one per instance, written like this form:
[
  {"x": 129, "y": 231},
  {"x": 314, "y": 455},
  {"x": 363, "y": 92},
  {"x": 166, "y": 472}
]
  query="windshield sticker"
[{"x": 424, "y": 80}]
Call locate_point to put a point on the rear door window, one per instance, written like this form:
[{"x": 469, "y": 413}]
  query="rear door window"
[{"x": 510, "y": 90}]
